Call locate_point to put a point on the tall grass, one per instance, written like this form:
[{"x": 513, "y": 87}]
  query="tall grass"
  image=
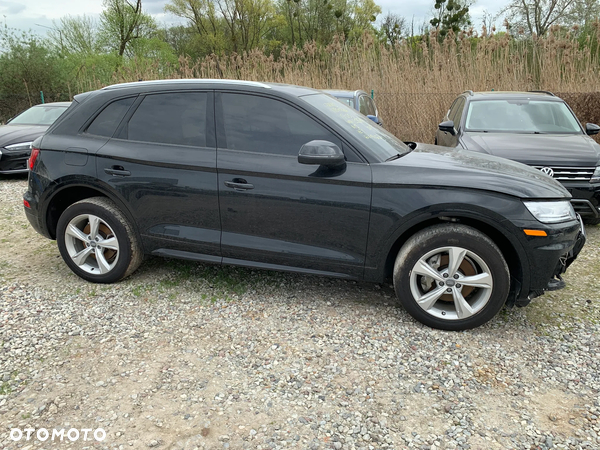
[{"x": 413, "y": 82}]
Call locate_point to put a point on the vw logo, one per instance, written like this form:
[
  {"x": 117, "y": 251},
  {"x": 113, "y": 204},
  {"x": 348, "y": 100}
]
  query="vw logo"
[{"x": 548, "y": 171}]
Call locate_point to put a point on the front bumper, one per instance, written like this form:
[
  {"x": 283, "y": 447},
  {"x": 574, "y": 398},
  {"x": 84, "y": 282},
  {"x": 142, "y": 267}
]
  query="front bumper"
[
  {"x": 13, "y": 162},
  {"x": 586, "y": 199},
  {"x": 551, "y": 256}
]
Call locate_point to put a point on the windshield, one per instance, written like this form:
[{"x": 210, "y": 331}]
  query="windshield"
[
  {"x": 382, "y": 143},
  {"x": 521, "y": 116},
  {"x": 39, "y": 115}
]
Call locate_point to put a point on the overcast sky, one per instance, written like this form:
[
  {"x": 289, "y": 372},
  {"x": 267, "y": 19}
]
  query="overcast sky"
[{"x": 35, "y": 14}]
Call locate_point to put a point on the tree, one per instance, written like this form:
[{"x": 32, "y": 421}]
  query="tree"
[
  {"x": 585, "y": 12},
  {"x": 451, "y": 15},
  {"x": 75, "y": 34},
  {"x": 393, "y": 28},
  {"x": 202, "y": 18},
  {"x": 122, "y": 22},
  {"x": 246, "y": 21},
  {"x": 537, "y": 16}
]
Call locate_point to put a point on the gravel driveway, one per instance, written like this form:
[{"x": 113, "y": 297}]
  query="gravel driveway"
[{"x": 184, "y": 355}]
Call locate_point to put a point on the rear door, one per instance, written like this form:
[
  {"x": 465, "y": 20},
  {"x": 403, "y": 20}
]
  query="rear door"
[
  {"x": 162, "y": 162},
  {"x": 278, "y": 213}
]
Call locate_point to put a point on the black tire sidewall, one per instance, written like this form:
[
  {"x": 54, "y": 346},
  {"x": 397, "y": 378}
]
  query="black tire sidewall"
[
  {"x": 119, "y": 229},
  {"x": 479, "y": 245}
]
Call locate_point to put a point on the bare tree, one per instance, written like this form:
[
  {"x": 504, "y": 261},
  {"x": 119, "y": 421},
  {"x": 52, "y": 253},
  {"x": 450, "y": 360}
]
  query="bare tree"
[
  {"x": 537, "y": 16},
  {"x": 393, "y": 27}
]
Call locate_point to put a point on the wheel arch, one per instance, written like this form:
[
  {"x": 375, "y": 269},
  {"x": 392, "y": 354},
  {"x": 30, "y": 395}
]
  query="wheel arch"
[
  {"x": 65, "y": 195},
  {"x": 511, "y": 250}
]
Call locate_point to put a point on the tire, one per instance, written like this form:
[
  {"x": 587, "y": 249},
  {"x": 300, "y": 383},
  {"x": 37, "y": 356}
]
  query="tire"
[
  {"x": 463, "y": 302},
  {"x": 107, "y": 254},
  {"x": 591, "y": 221}
]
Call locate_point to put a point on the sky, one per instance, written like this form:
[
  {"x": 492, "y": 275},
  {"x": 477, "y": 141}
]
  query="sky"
[{"x": 35, "y": 15}]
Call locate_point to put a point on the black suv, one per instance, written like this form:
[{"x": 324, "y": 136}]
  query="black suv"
[
  {"x": 287, "y": 178},
  {"x": 534, "y": 128}
]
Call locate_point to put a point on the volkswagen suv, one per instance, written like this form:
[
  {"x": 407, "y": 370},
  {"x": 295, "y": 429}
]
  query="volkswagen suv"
[{"x": 534, "y": 128}]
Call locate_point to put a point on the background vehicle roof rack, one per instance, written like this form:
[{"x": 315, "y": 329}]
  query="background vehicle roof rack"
[
  {"x": 544, "y": 92},
  {"x": 470, "y": 92}
]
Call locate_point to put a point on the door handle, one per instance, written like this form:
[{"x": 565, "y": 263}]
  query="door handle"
[
  {"x": 117, "y": 171},
  {"x": 239, "y": 184}
]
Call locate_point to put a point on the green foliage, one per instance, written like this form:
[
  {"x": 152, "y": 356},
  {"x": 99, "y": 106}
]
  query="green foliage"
[
  {"x": 27, "y": 66},
  {"x": 451, "y": 15},
  {"x": 123, "y": 23},
  {"x": 77, "y": 34}
]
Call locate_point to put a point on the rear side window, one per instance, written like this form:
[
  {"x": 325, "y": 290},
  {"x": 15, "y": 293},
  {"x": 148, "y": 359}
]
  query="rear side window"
[
  {"x": 263, "y": 125},
  {"x": 177, "y": 118},
  {"x": 106, "y": 123}
]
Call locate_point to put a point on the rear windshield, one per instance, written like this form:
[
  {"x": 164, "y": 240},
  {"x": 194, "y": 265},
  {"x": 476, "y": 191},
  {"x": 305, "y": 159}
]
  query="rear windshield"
[
  {"x": 39, "y": 115},
  {"x": 521, "y": 116},
  {"x": 382, "y": 143}
]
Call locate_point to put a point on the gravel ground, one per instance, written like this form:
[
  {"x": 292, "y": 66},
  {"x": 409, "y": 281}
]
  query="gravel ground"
[{"x": 184, "y": 356}]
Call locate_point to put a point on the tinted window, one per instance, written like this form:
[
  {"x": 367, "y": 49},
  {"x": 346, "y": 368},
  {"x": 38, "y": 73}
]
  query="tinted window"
[
  {"x": 106, "y": 123},
  {"x": 263, "y": 125},
  {"x": 177, "y": 118}
]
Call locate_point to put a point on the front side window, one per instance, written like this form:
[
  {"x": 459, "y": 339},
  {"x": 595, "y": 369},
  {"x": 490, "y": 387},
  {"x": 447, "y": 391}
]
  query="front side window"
[
  {"x": 363, "y": 107},
  {"x": 379, "y": 141},
  {"x": 177, "y": 118},
  {"x": 371, "y": 107},
  {"x": 263, "y": 125},
  {"x": 456, "y": 113},
  {"x": 453, "y": 108},
  {"x": 521, "y": 116}
]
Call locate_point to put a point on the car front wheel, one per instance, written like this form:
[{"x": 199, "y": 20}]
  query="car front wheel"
[
  {"x": 451, "y": 277},
  {"x": 97, "y": 241}
]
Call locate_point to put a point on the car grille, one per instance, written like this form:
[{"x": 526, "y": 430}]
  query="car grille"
[{"x": 569, "y": 173}]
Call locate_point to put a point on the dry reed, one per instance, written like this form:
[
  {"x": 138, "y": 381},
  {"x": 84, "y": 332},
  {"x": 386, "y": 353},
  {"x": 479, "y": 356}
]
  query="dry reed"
[{"x": 414, "y": 82}]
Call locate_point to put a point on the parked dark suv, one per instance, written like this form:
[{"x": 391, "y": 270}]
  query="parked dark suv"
[
  {"x": 534, "y": 128},
  {"x": 287, "y": 178}
]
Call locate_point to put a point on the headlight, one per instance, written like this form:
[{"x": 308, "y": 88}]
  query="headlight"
[
  {"x": 596, "y": 176},
  {"x": 19, "y": 147},
  {"x": 551, "y": 212}
]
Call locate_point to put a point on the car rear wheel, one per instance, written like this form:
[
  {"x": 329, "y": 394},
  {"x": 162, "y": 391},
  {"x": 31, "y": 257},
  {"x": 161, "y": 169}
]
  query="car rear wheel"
[
  {"x": 97, "y": 241},
  {"x": 451, "y": 277}
]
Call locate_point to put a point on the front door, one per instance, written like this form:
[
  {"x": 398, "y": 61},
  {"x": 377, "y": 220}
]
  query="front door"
[{"x": 278, "y": 213}]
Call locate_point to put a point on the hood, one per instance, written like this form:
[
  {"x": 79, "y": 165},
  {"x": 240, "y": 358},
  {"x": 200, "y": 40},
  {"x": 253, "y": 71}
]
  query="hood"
[
  {"x": 15, "y": 134},
  {"x": 537, "y": 149},
  {"x": 441, "y": 166}
]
